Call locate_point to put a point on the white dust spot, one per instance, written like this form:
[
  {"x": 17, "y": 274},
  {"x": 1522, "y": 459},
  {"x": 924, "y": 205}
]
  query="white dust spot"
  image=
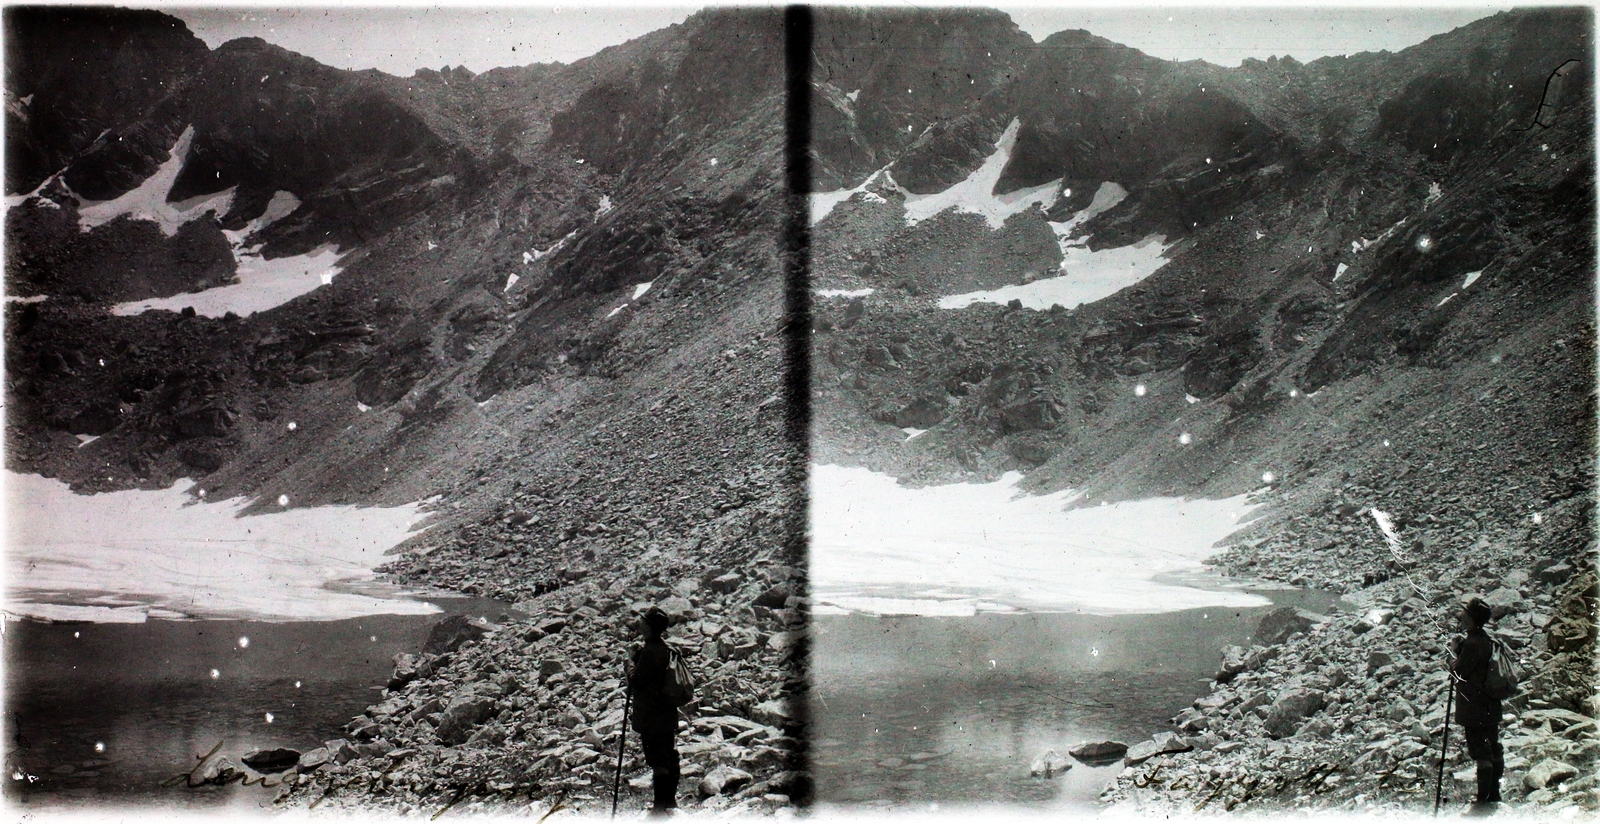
[
  {"x": 327, "y": 278},
  {"x": 293, "y": 426},
  {"x": 244, "y": 642},
  {"x": 976, "y": 194},
  {"x": 1185, "y": 439},
  {"x": 1472, "y": 277},
  {"x": 297, "y": 685},
  {"x": 99, "y": 746},
  {"x": 1537, "y": 518},
  {"x": 269, "y": 718},
  {"x": 1385, "y": 441},
  {"x": 713, "y": 161},
  {"x": 283, "y": 500},
  {"x": 843, "y": 293},
  {"x": 1294, "y": 393},
  {"x": 1268, "y": 477},
  {"x": 1139, "y": 391},
  {"x": 640, "y": 288},
  {"x": 215, "y": 675},
  {"x": 1424, "y": 243}
]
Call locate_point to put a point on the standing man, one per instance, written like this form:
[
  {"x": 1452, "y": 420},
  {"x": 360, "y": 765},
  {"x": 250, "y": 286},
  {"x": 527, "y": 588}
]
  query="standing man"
[
  {"x": 1477, "y": 711},
  {"x": 654, "y": 717}
]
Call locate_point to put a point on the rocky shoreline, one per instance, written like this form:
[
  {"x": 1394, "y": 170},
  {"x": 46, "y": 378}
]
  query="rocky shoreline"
[
  {"x": 525, "y": 713},
  {"x": 1346, "y": 711}
]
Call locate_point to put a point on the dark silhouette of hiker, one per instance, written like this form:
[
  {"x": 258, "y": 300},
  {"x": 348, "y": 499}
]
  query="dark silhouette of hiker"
[
  {"x": 655, "y": 718},
  {"x": 1476, "y": 710}
]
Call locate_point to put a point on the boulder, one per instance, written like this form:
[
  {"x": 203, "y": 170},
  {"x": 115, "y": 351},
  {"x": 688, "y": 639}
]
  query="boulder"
[
  {"x": 1163, "y": 743},
  {"x": 1503, "y": 601},
  {"x": 1048, "y": 764},
  {"x": 1291, "y": 707},
  {"x": 1278, "y": 625},
  {"x": 449, "y": 634},
  {"x": 771, "y": 713},
  {"x": 464, "y": 712},
  {"x": 774, "y": 598},
  {"x": 210, "y": 421},
  {"x": 339, "y": 750},
  {"x": 205, "y": 460},
  {"x": 405, "y": 670},
  {"x": 271, "y": 761},
  {"x": 723, "y": 780},
  {"x": 1548, "y": 773},
  {"x": 726, "y": 583},
  {"x": 1374, "y": 618},
  {"x": 311, "y": 761},
  {"x": 678, "y": 609},
  {"x": 1090, "y": 752}
]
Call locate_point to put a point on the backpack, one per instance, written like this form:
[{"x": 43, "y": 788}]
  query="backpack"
[
  {"x": 1503, "y": 677},
  {"x": 677, "y": 688}
]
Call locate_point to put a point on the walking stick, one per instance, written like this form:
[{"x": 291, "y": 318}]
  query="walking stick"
[
  {"x": 1450, "y": 702},
  {"x": 622, "y": 741}
]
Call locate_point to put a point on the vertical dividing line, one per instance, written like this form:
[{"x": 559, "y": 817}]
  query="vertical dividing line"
[{"x": 797, "y": 315}]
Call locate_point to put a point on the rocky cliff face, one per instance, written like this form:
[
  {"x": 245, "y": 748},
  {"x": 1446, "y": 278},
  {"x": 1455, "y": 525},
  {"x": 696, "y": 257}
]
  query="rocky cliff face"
[
  {"x": 558, "y": 309},
  {"x": 1376, "y": 293}
]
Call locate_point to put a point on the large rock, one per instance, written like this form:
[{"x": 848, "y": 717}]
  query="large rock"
[
  {"x": 1291, "y": 707},
  {"x": 723, "y": 780},
  {"x": 771, "y": 713},
  {"x": 271, "y": 761},
  {"x": 449, "y": 634},
  {"x": 774, "y": 598},
  {"x": 465, "y": 711},
  {"x": 1548, "y": 773},
  {"x": 207, "y": 422},
  {"x": 311, "y": 761},
  {"x": 1049, "y": 763},
  {"x": 1280, "y": 624},
  {"x": 678, "y": 609},
  {"x": 1092, "y": 751},
  {"x": 1163, "y": 743}
]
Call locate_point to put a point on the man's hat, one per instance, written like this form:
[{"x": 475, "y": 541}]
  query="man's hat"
[
  {"x": 1478, "y": 611},
  {"x": 656, "y": 618}
]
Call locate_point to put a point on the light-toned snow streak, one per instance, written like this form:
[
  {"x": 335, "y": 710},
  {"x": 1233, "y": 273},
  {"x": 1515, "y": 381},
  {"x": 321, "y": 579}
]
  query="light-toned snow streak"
[
  {"x": 640, "y": 288},
  {"x": 262, "y": 285},
  {"x": 911, "y": 432},
  {"x": 1472, "y": 277},
  {"x": 605, "y": 206},
  {"x": 844, "y": 293},
  {"x": 119, "y": 556},
  {"x": 881, "y": 547},
  {"x": 148, "y": 200},
  {"x": 616, "y": 310},
  {"x": 1089, "y": 277},
  {"x": 822, "y": 203},
  {"x": 976, "y": 194}
]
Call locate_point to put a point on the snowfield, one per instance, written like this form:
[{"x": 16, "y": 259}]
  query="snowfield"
[
  {"x": 148, "y": 201},
  {"x": 948, "y": 550},
  {"x": 263, "y": 284},
  {"x": 975, "y": 195},
  {"x": 120, "y": 556}
]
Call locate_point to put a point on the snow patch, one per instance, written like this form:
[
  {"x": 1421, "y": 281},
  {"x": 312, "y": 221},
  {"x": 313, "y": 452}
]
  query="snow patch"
[
  {"x": 529, "y": 257},
  {"x": 640, "y": 288},
  {"x": 117, "y": 555},
  {"x": 844, "y": 293},
  {"x": 911, "y": 432},
  {"x": 975, "y": 195},
  {"x": 1340, "y": 270},
  {"x": 361, "y": 407},
  {"x": 988, "y": 543},
  {"x": 822, "y": 203},
  {"x": 1089, "y": 276},
  {"x": 853, "y": 96},
  {"x": 1472, "y": 277},
  {"x": 1188, "y": 398},
  {"x": 605, "y": 206},
  {"x": 1446, "y": 300},
  {"x": 28, "y": 299},
  {"x": 432, "y": 246},
  {"x": 85, "y": 440},
  {"x": 616, "y": 310},
  {"x": 511, "y": 280},
  {"x": 263, "y": 284},
  {"x": 148, "y": 200}
]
